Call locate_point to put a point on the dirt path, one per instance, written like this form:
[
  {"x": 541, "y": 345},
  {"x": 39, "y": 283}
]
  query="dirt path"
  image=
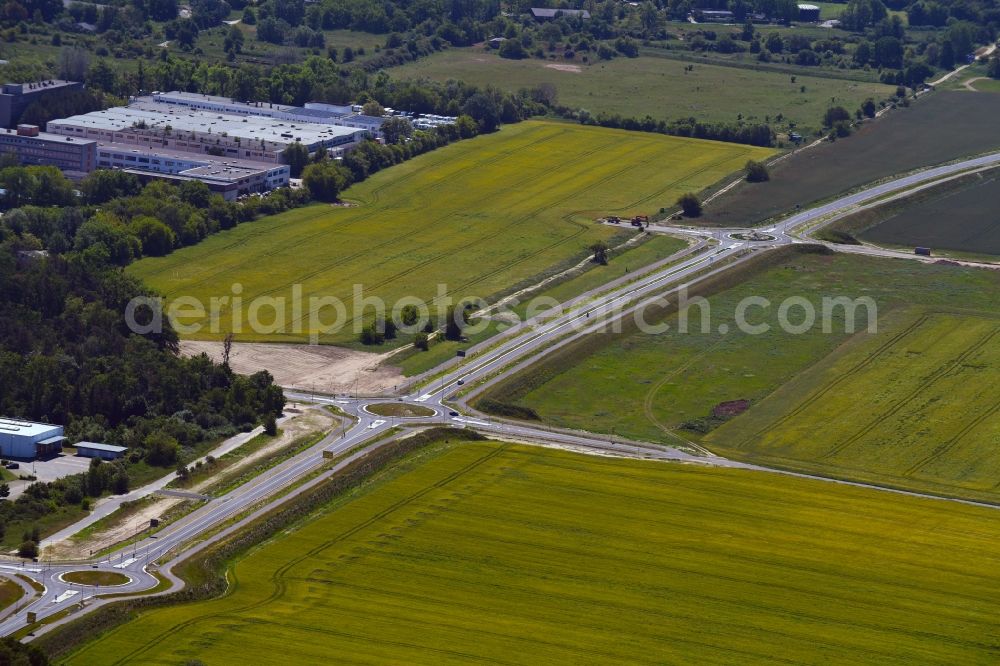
[
  {"x": 981, "y": 54},
  {"x": 309, "y": 420},
  {"x": 322, "y": 368},
  {"x": 968, "y": 83}
]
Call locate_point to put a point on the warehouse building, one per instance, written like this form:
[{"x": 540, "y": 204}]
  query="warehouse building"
[
  {"x": 102, "y": 451},
  {"x": 547, "y": 14},
  {"x": 230, "y": 178},
  {"x": 16, "y": 97},
  {"x": 313, "y": 112},
  {"x": 26, "y": 440},
  {"x": 714, "y": 15},
  {"x": 30, "y": 146},
  {"x": 809, "y": 13},
  {"x": 256, "y": 138}
]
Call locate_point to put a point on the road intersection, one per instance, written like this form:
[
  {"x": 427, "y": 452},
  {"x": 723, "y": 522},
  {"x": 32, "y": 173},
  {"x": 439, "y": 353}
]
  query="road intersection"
[{"x": 148, "y": 561}]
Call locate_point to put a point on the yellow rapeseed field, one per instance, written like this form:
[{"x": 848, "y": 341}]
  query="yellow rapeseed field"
[
  {"x": 478, "y": 217},
  {"x": 486, "y": 552}
]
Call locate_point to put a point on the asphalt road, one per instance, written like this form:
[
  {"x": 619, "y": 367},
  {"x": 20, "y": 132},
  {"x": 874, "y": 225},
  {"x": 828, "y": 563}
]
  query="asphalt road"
[{"x": 714, "y": 251}]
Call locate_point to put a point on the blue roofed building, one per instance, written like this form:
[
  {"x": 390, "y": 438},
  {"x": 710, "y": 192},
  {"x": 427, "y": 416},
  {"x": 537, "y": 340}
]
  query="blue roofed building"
[
  {"x": 27, "y": 440},
  {"x": 103, "y": 451}
]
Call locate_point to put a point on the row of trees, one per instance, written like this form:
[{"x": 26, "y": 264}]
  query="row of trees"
[
  {"x": 754, "y": 134},
  {"x": 451, "y": 324},
  {"x": 120, "y": 216},
  {"x": 884, "y": 46},
  {"x": 326, "y": 179}
]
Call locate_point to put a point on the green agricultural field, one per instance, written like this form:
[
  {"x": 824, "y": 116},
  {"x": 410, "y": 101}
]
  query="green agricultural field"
[
  {"x": 915, "y": 403},
  {"x": 962, "y": 218},
  {"x": 663, "y": 388},
  {"x": 937, "y": 128},
  {"x": 492, "y": 552},
  {"x": 659, "y": 87},
  {"x": 650, "y": 250},
  {"x": 479, "y": 217}
]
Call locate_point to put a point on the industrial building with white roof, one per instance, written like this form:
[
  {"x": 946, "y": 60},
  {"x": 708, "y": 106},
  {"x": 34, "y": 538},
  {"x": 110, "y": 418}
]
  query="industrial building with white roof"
[
  {"x": 27, "y": 440},
  {"x": 249, "y": 137},
  {"x": 235, "y": 147},
  {"x": 230, "y": 178}
]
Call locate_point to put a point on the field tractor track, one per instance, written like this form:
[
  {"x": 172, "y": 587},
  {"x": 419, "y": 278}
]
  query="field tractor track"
[
  {"x": 943, "y": 448},
  {"x": 363, "y": 216},
  {"x": 826, "y": 388},
  {"x": 494, "y": 157},
  {"x": 527, "y": 217},
  {"x": 938, "y": 374},
  {"x": 647, "y": 404},
  {"x": 368, "y": 249},
  {"x": 569, "y": 218}
]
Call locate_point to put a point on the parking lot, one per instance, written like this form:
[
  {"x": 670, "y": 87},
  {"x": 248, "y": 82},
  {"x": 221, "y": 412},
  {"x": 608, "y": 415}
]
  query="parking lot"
[{"x": 46, "y": 470}]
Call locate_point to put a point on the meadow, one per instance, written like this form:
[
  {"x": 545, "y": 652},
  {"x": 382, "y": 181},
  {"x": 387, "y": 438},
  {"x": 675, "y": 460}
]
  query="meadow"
[
  {"x": 660, "y": 87},
  {"x": 928, "y": 419},
  {"x": 664, "y": 388},
  {"x": 495, "y": 552},
  {"x": 479, "y": 217},
  {"x": 986, "y": 85}
]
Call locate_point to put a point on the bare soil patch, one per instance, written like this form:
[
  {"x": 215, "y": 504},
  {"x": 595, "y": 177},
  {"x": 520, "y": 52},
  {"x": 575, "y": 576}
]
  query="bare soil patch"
[
  {"x": 322, "y": 368},
  {"x": 575, "y": 69},
  {"x": 729, "y": 409}
]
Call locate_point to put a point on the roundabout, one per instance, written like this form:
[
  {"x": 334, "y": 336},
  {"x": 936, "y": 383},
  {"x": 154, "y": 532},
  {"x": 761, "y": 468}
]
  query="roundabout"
[
  {"x": 399, "y": 410},
  {"x": 753, "y": 236},
  {"x": 95, "y": 578}
]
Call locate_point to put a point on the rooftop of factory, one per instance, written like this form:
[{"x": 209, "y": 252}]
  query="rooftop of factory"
[
  {"x": 25, "y": 428},
  {"x": 185, "y": 156},
  {"x": 156, "y": 117},
  {"x": 218, "y": 99}
]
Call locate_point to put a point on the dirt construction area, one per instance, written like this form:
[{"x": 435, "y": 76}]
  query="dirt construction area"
[{"x": 321, "y": 368}]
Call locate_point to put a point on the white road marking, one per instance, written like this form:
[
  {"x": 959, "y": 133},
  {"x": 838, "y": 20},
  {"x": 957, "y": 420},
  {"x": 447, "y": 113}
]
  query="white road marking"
[
  {"x": 68, "y": 594},
  {"x": 469, "y": 421}
]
